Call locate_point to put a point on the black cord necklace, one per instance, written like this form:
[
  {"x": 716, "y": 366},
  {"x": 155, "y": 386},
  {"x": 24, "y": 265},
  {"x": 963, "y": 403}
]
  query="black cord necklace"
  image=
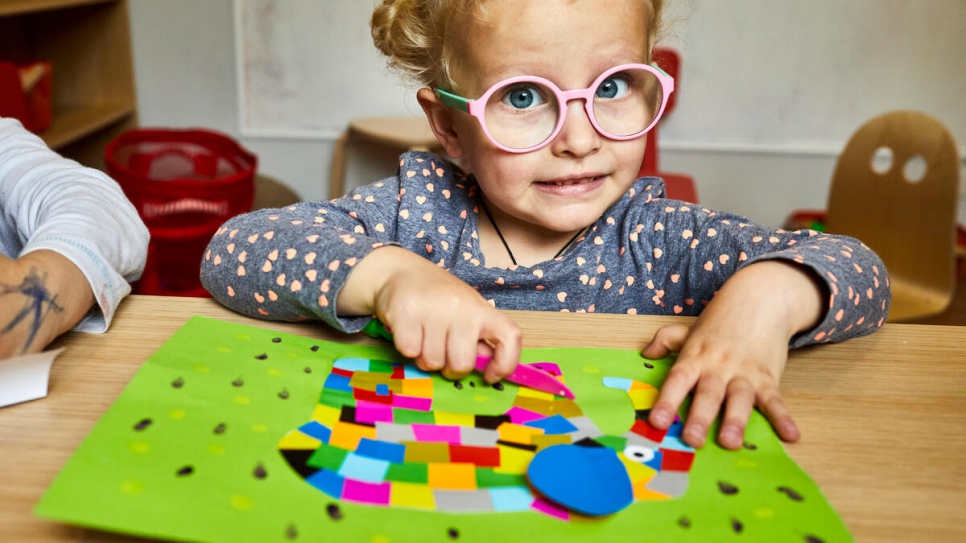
[{"x": 507, "y": 247}]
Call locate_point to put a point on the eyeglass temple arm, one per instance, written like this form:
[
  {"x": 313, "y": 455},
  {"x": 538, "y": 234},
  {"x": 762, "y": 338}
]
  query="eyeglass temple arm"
[{"x": 453, "y": 101}]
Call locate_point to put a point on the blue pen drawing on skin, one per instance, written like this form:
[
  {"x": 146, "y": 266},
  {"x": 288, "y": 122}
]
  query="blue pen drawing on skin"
[{"x": 36, "y": 296}]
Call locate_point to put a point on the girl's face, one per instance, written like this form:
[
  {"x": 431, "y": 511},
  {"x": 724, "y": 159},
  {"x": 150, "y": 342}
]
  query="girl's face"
[{"x": 568, "y": 184}]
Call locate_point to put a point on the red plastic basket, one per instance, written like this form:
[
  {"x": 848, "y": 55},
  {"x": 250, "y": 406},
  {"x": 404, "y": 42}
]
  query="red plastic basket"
[{"x": 184, "y": 184}]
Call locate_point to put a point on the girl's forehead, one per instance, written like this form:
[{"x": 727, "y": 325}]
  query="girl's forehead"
[{"x": 556, "y": 39}]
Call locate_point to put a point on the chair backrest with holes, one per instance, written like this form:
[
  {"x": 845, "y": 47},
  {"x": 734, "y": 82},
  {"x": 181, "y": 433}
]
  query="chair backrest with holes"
[{"x": 905, "y": 213}]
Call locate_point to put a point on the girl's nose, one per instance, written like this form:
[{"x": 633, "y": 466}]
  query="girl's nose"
[{"x": 577, "y": 136}]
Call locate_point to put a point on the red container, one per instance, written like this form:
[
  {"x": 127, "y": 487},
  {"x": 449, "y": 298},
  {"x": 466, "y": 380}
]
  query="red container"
[
  {"x": 26, "y": 94},
  {"x": 184, "y": 184}
]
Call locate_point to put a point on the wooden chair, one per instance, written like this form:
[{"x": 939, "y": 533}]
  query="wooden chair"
[
  {"x": 909, "y": 222},
  {"x": 396, "y": 133}
]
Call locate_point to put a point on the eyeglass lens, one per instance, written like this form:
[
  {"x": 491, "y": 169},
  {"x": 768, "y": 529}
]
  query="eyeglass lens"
[{"x": 524, "y": 114}]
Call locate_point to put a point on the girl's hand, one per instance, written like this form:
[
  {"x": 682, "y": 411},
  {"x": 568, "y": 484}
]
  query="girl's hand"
[
  {"x": 733, "y": 356},
  {"x": 436, "y": 319}
]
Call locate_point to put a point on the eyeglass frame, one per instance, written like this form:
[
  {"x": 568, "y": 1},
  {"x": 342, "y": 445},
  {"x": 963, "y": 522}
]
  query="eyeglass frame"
[{"x": 477, "y": 107}]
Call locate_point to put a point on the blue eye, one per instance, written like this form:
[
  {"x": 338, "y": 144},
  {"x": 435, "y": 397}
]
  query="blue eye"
[
  {"x": 612, "y": 87},
  {"x": 523, "y": 98}
]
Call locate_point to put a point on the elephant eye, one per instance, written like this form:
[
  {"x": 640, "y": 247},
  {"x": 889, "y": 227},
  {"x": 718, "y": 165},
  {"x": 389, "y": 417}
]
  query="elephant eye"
[{"x": 638, "y": 453}]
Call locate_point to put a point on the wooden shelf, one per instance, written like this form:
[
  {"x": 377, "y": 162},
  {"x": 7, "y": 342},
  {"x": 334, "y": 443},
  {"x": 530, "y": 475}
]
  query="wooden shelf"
[
  {"x": 72, "y": 125},
  {"x": 88, "y": 43}
]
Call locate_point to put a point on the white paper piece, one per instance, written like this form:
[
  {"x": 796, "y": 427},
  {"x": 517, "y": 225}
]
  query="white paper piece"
[{"x": 25, "y": 378}]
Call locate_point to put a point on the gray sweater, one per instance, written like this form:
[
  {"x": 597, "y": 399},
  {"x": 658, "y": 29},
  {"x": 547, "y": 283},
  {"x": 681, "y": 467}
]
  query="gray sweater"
[{"x": 645, "y": 255}]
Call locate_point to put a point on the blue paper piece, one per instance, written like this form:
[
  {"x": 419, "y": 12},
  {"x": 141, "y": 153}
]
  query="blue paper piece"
[
  {"x": 556, "y": 424},
  {"x": 381, "y": 450},
  {"x": 588, "y": 480},
  {"x": 316, "y": 430}
]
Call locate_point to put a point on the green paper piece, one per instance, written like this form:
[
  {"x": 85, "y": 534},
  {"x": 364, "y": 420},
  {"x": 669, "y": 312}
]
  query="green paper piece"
[
  {"x": 487, "y": 478},
  {"x": 614, "y": 442},
  {"x": 208, "y": 467},
  {"x": 408, "y": 472},
  {"x": 408, "y": 416},
  {"x": 327, "y": 457}
]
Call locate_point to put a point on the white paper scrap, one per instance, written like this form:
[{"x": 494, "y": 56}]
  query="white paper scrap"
[{"x": 24, "y": 378}]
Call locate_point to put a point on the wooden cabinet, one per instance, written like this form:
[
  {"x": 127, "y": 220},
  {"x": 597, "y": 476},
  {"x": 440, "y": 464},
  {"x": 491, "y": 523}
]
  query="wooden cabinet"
[{"x": 89, "y": 44}]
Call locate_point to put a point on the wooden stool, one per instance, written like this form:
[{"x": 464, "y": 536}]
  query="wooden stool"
[{"x": 401, "y": 133}]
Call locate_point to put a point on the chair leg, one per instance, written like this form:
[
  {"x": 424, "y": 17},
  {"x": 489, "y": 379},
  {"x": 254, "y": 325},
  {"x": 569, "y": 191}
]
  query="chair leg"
[{"x": 337, "y": 175}]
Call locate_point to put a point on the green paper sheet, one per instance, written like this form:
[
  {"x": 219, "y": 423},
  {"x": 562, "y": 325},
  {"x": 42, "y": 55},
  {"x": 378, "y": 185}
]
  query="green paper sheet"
[{"x": 190, "y": 452}]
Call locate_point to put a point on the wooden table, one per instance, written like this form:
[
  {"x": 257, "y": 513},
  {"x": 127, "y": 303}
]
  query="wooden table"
[{"x": 883, "y": 417}]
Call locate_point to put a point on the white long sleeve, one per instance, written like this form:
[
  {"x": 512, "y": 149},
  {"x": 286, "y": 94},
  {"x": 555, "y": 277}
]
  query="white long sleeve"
[{"x": 50, "y": 202}]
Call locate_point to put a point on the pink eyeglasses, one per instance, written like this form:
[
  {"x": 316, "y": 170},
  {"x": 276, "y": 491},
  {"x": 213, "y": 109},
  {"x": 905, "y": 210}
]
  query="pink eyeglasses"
[{"x": 523, "y": 114}]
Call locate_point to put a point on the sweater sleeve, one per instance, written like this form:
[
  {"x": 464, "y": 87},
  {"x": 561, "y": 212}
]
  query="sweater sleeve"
[
  {"x": 50, "y": 202},
  {"x": 704, "y": 248},
  {"x": 290, "y": 264}
]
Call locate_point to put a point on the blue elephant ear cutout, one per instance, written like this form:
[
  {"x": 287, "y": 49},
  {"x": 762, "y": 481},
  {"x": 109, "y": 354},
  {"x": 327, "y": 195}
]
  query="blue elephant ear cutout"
[{"x": 588, "y": 480}]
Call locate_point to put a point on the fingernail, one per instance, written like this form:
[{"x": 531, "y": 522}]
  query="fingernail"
[{"x": 662, "y": 418}]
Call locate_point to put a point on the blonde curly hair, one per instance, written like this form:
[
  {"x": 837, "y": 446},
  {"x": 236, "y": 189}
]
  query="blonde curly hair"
[{"x": 414, "y": 35}]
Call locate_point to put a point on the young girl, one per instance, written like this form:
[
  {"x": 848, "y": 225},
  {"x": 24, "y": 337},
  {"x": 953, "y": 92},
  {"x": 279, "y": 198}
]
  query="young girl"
[{"x": 544, "y": 104}]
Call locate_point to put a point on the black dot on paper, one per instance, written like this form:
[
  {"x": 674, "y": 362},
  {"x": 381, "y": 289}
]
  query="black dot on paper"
[
  {"x": 178, "y": 383},
  {"x": 333, "y": 511},
  {"x": 220, "y": 429},
  {"x": 143, "y": 424},
  {"x": 737, "y": 526},
  {"x": 794, "y": 496},
  {"x": 276, "y": 340},
  {"x": 291, "y": 532},
  {"x": 813, "y": 539},
  {"x": 260, "y": 472},
  {"x": 262, "y": 356},
  {"x": 187, "y": 470},
  {"x": 498, "y": 386},
  {"x": 727, "y": 488},
  {"x": 750, "y": 446},
  {"x": 458, "y": 385},
  {"x": 315, "y": 348},
  {"x": 283, "y": 394},
  {"x": 649, "y": 366},
  {"x": 307, "y": 369},
  {"x": 453, "y": 533},
  {"x": 238, "y": 382},
  {"x": 472, "y": 384},
  {"x": 684, "y": 522}
]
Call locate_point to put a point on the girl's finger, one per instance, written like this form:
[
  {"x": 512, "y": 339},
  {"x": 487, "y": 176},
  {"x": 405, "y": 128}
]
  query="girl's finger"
[
  {"x": 433, "y": 355},
  {"x": 680, "y": 380},
  {"x": 505, "y": 339},
  {"x": 704, "y": 409},
  {"x": 740, "y": 401},
  {"x": 770, "y": 403},
  {"x": 460, "y": 351},
  {"x": 407, "y": 336},
  {"x": 667, "y": 340}
]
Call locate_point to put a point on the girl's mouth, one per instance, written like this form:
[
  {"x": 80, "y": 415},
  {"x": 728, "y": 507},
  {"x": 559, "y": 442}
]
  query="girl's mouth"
[{"x": 571, "y": 186}]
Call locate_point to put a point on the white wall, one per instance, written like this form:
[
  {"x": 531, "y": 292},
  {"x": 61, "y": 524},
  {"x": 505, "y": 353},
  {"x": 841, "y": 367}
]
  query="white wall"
[{"x": 185, "y": 64}]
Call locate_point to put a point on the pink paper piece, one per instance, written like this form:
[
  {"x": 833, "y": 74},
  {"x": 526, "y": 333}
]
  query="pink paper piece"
[
  {"x": 371, "y": 412},
  {"x": 518, "y": 415},
  {"x": 362, "y": 492},
  {"x": 543, "y": 506},
  {"x": 549, "y": 367},
  {"x": 412, "y": 402},
  {"x": 437, "y": 433}
]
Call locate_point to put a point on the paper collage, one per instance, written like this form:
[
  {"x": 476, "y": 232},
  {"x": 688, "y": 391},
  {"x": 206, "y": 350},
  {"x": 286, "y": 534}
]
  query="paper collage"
[{"x": 236, "y": 433}]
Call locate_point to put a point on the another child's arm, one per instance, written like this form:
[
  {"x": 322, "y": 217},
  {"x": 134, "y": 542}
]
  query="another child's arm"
[{"x": 764, "y": 291}]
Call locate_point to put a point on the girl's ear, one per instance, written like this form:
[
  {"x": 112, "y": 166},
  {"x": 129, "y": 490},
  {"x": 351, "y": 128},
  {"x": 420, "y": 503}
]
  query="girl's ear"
[{"x": 441, "y": 121}]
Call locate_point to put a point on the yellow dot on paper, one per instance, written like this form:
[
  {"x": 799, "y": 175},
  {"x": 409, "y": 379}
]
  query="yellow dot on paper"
[
  {"x": 242, "y": 502},
  {"x": 273, "y": 372},
  {"x": 223, "y": 349},
  {"x": 176, "y": 414},
  {"x": 216, "y": 448},
  {"x": 745, "y": 464},
  {"x": 202, "y": 369},
  {"x": 243, "y": 400},
  {"x": 764, "y": 512},
  {"x": 591, "y": 369},
  {"x": 380, "y": 539},
  {"x": 243, "y": 337},
  {"x": 132, "y": 487},
  {"x": 481, "y": 398},
  {"x": 259, "y": 428},
  {"x": 140, "y": 447}
]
